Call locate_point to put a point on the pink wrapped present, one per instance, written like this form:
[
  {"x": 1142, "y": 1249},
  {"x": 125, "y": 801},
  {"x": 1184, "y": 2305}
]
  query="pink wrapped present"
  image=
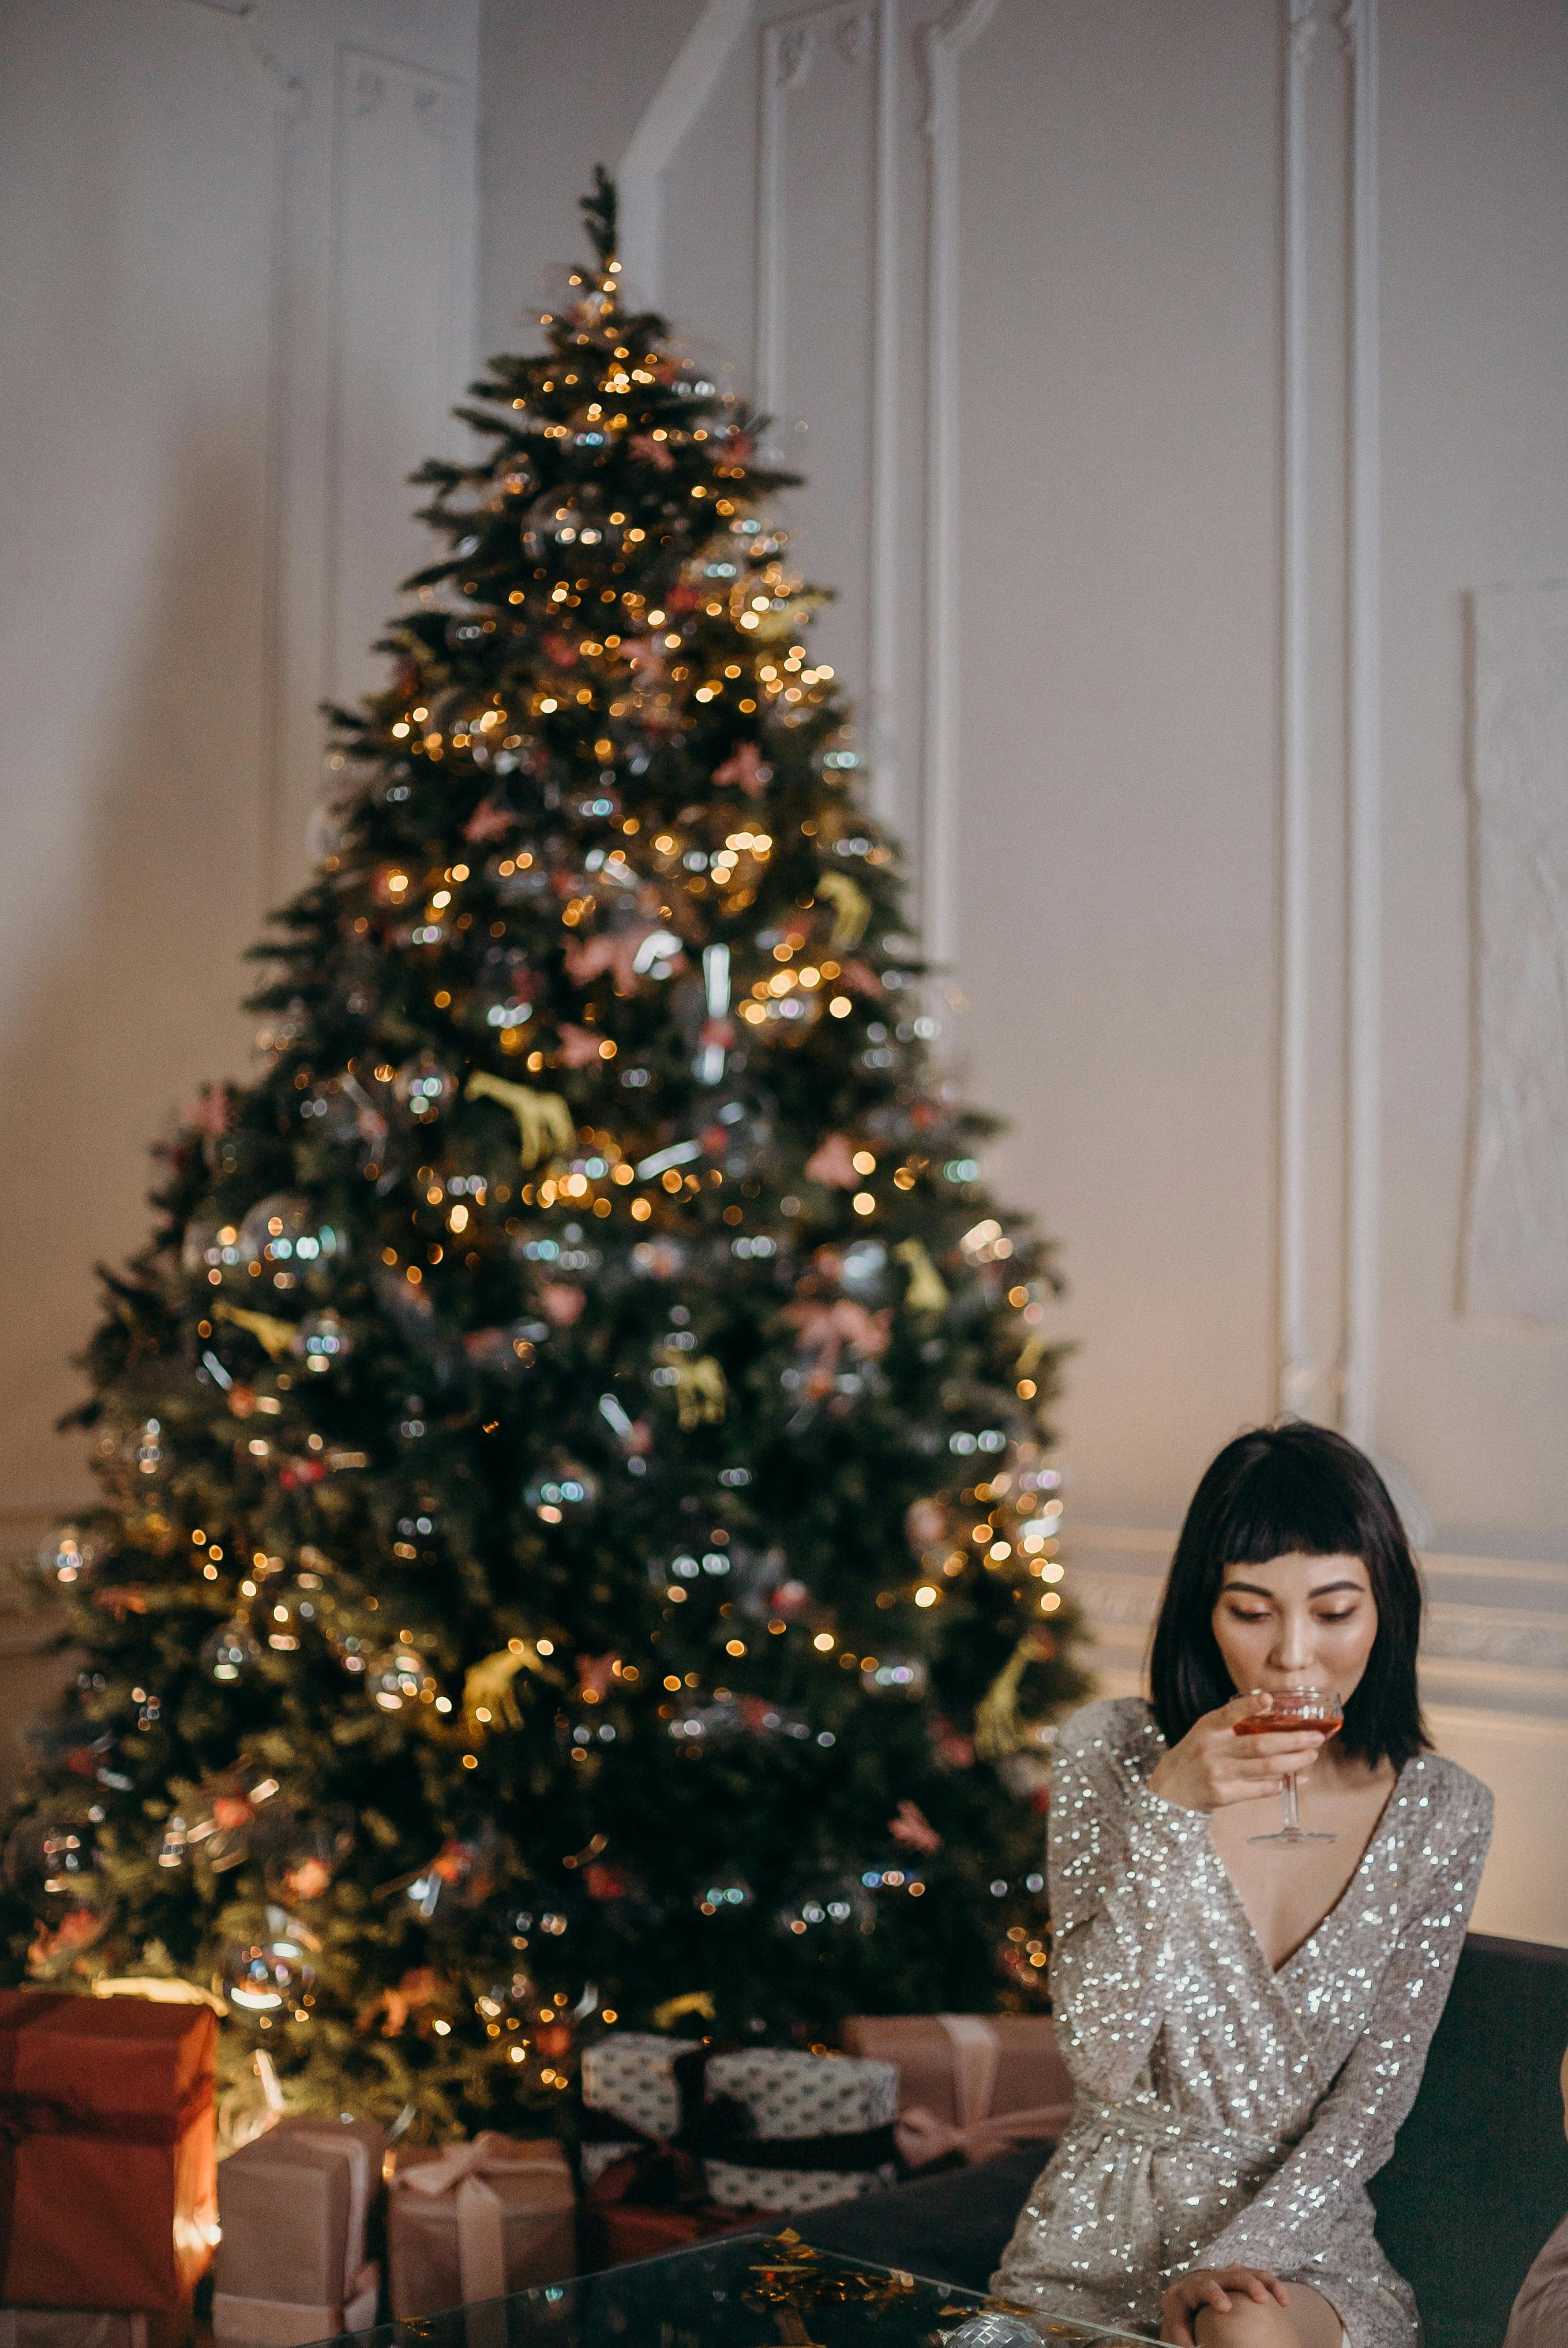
[
  {"x": 295, "y": 2204},
  {"x": 471, "y": 2221},
  {"x": 968, "y": 2083}
]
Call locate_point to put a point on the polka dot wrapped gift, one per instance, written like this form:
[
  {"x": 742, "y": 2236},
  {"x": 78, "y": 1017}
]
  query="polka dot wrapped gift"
[{"x": 775, "y": 2129}]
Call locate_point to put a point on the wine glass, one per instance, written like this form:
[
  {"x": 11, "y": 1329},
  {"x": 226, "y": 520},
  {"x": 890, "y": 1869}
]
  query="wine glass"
[{"x": 1288, "y": 1708}]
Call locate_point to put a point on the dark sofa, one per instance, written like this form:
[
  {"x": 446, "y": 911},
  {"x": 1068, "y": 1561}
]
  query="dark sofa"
[{"x": 1478, "y": 2180}]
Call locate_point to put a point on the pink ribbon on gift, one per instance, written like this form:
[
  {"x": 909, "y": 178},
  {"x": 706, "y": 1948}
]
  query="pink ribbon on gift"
[
  {"x": 922, "y": 2137},
  {"x": 464, "y": 2171}
]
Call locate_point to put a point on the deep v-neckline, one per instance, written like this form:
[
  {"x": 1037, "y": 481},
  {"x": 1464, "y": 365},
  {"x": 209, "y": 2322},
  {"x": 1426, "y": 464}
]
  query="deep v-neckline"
[{"x": 1384, "y": 1824}]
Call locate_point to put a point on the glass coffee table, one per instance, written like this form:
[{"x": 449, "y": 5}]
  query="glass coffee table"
[{"x": 746, "y": 2291}]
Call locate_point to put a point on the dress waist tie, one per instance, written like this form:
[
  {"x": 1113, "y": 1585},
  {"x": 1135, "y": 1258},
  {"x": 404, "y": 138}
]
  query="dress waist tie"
[{"x": 1162, "y": 2128}]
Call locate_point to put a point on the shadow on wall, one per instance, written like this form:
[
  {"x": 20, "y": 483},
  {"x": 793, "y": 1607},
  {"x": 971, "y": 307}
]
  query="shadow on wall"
[{"x": 145, "y": 892}]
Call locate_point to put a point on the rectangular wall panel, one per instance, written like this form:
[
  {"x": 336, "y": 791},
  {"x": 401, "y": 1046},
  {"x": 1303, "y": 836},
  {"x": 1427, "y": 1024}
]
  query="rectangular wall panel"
[
  {"x": 400, "y": 333},
  {"x": 816, "y": 298},
  {"x": 1516, "y": 1256}
]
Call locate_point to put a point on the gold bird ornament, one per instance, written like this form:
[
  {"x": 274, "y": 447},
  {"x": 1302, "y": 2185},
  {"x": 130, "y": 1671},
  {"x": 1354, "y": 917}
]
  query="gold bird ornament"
[{"x": 544, "y": 1120}]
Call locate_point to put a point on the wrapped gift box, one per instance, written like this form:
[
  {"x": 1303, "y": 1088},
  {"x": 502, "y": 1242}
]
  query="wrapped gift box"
[
  {"x": 469, "y": 2221},
  {"x": 70, "y": 2327},
  {"x": 108, "y": 2162},
  {"x": 968, "y": 2083},
  {"x": 296, "y": 2205},
  {"x": 775, "y": 2129},
  {"x": 618, "y": 2232}
]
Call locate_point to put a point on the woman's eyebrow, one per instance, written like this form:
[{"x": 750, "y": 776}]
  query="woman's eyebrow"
[{"x": 1257, "y": 1590}]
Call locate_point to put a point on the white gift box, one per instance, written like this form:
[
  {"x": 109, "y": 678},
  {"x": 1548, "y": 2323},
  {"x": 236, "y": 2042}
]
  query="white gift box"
[{"x": 793, "y": 2099}]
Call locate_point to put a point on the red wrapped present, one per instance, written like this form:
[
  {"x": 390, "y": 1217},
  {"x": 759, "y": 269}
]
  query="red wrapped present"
[
  {"x": 70, "y": 2327},
  {"x": 968, "y": 2083},
  {"x": 616, "y": 2232},
  {"x": 107, "y": 2160}
]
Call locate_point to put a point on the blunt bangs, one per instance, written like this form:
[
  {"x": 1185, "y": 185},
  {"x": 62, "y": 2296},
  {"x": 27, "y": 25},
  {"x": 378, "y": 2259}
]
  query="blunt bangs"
[{"x": 1271, "y": 1492}]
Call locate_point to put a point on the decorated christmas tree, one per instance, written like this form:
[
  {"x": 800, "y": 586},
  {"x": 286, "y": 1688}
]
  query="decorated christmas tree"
[{"x": 577, "y": 1545}]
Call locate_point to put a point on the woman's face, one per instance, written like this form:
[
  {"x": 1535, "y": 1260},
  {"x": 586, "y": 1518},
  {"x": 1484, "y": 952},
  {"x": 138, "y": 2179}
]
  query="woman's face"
[{"x": 1296, "y": 1621}]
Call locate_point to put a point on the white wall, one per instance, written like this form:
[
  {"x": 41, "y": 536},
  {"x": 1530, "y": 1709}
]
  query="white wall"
[
  {"x": 237, "y": 273},
  {"x": 1169, "y": 374}
]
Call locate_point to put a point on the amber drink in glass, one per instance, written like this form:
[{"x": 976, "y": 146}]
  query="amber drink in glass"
[{"x": 1289, "y": 1708}]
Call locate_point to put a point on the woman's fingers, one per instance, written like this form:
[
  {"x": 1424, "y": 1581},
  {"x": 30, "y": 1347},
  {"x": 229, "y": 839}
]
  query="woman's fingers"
[{"x": 1214, "y": 2293}]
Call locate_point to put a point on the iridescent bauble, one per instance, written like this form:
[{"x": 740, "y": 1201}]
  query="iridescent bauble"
[
  {"x": 561, "y": 1490},
  {"x": 210, "y": 1249},
  {"x": 463, "y": 1873},
  {"x": 514, "y": 1995},
  {"x": 329, "y": 1113},
  {"x": 723, "y": 1895},
  {"x": 137, "y": 1446},
  {"x": 321, "y": 1341},
  {"x": 895, "y": 1676},
  {"x": 863, "y": 1271},
  {"x": 262, "y": 1978},
  {"x": 304, "y": 1855},
  {"x": 834, "y": 1905},
  {"x": 230, "y": 1653},
  {"x": 52, "y": 1864},
  {"x": 541, "y": 1924},
  {"x": 69, "y": 1557},
  {"x": 351, "y": 1651},
  {"x": 288, "y": 1610},
  {"x": 290, "y": 1238},
  {"x": 424, "y": 1087},
  {"x": 399, "y": 1679},
  {"x": 560, "y": 521}
]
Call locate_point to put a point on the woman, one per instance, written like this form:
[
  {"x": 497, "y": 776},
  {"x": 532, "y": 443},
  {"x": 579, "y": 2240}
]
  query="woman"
[{"x": 1246, "y": 2021}]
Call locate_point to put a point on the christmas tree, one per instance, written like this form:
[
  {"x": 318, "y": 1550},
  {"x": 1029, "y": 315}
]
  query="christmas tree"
[{"x": 577, "y": 1545}]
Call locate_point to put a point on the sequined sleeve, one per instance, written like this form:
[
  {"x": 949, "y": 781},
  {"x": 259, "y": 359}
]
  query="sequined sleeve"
[
  {"x": 1353, "y": 2129},
  {"x": 1116, "y": 1854}
]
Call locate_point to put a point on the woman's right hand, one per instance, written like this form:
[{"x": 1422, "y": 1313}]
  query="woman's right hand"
[{"x": 1212, "y": 1766}]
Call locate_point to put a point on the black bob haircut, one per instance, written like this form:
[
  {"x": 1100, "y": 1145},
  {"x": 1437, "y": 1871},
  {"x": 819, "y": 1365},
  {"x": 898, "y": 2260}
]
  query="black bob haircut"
[{"x": 1277, "y": 1489}]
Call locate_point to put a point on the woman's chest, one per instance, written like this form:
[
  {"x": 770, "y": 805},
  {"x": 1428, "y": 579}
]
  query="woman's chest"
[{"x": 1290, "y": 1892}]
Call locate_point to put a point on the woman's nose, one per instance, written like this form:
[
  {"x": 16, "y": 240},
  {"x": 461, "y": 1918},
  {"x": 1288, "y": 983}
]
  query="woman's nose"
[{"x": 1292, "y": 1644}]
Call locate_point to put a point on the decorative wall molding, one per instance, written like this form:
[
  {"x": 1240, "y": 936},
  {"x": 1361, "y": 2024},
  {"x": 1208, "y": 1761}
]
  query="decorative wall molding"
[
  {"x": 1515, "y": 1258},
  {"x": 942, "y": 45},
  {"x": 883, "y": 731},
  {"x": 291, "y": 99},
  {"x": 1328, "y": 1152},
  {"x": 399, "y": 331},
  {"x": 675, "y": 105},
  {"x": 1296, "y": 1376},
  {"x": 1359, "y": 26}
]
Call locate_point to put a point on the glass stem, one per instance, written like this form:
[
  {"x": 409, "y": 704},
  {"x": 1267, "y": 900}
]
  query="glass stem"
[{"x": 1291, "y": 1817}]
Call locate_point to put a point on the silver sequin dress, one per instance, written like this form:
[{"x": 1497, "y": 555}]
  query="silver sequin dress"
[{"x": 1227, "y": 2113}]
